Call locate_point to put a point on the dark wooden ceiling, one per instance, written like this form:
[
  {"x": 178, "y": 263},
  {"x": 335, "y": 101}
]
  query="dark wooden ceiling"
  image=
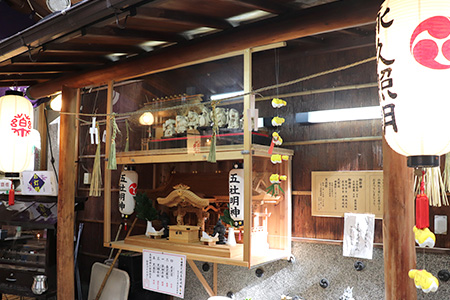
[{"x": 95, "y": 34}]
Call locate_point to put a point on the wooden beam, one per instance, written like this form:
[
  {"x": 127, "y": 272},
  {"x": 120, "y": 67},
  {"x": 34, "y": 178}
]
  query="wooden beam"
[
  {"x": 107, "y": 179},
  {"x": 181, "y": 17},
  {"x": 39, "y": 69},
  {"x": 143, "y": 35},
  {"x": 58, "y": 59},
  {"x": 66, "y": 196},
  {"x": 334, "y": 141},
  {"x": 215, "y": 272},
  {"x": 56, "y": 27},
  {"x": 265, "y": 5},
  {"x": 330, "y": 17},
  {"x": 89, "y": 48},
  {"x": 201, "y": 278},
  {"x": 398, "y": 221},
  {"x": 248, "y": 161}
]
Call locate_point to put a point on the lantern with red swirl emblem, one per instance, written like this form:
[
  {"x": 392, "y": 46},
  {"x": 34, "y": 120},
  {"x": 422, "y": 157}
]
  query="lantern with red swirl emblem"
[
  {"x": 128, "y": 186},
  {"x": 413, "y": 64},
  {"x": 16, "y": 123}
]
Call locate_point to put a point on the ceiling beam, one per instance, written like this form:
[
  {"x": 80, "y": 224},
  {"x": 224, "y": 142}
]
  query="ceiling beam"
[
  {"x": 194, "y": 20},
  {"x": 22, "y": 69},
  {"x": 320, "y": 19},
  {"x": 57, "y": 26},
  {"x": 265, "y": 5},
  {"x": 143, "y": 35},
  {"x": 89, "y": 48},
  {"x": 63, "y": 59},
  {"x": 28, "y": 77}
]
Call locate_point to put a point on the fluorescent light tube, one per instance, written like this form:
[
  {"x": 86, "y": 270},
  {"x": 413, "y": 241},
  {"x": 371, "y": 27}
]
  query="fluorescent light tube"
[
  {"x": 339, "y": 115},
  {"x": 226, "y": 95}
]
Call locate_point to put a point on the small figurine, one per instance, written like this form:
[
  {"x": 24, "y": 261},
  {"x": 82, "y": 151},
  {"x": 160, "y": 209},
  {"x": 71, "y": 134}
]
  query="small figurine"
[
  {"x": 278, "y": 158},
  {"x": 277, "y": 103},
  {"x": 220, "y": 229},
  {"x": 222, "y": 116},
  {"x": 348, "y": 294},
  {"x": 276, "y": 138},
  {"x": 165, "y": 224},
  {"x": 181, "y": 124},
  {"x": 424, "y": 237},
  {"x": 209, "y": 240},
  {"x": 276, "y": 178},
  {"x": 233, "y": 119},
  {"x": 275, "y": 188},
  {"x": 204, "y": 118},
  {"x": 169, "y": 127},
  {"x": 277, "y": 121},
  {"x": 193, "y": 119},
  {"x": 424, "y": 280}
]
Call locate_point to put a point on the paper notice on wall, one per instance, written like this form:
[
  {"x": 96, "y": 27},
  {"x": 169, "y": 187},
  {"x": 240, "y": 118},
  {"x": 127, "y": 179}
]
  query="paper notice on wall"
[
  {"x": 358, "y": 235},
  {"x": 163, "y": 272},
  {"x": 337, "y": 192}
]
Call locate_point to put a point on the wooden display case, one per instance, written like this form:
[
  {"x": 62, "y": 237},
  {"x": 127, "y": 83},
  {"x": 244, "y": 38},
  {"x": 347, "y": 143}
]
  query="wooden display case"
[{"x": 267, "y": 219}]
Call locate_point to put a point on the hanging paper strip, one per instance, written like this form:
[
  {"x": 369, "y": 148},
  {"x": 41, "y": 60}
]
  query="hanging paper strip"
[
  {"x": 215, "y": 128},
  {"x": 127, "y": 143},
  {"x": 96, "y": 181},
  {"x": 112, "y": 164}
]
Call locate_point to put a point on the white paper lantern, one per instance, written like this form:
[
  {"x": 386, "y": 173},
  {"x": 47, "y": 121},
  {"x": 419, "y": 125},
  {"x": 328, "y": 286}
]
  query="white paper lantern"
[
  {"x": 236, "y": 193},
  {"x": 413, "y": 64},
  {"x": 16, "y": 123},
  {"x": 128, "y": 185}
]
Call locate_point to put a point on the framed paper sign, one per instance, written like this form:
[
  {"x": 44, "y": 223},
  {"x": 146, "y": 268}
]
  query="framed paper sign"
[
  {"x": 336, "y": 193},
  {"x": 164, "y": 272}
]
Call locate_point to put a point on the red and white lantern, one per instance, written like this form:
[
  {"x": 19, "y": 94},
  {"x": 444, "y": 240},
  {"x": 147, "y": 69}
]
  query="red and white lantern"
[
  {"x": 128, "y": 186},
  {"x": 16, "y": 123},
  {"x": 413, "y": 64}
]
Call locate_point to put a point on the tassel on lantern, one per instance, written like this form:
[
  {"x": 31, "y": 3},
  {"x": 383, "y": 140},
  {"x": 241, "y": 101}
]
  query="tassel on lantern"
[
  {"x": 112, "y": 163},
  {"x": 96, "y": 181},
  {"x": 11, "y": 194},
  {"x": 422, "y": 206}
]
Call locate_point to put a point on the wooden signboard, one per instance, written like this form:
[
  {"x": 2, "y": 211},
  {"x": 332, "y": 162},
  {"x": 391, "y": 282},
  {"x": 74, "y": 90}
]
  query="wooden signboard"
[{"x": 336, "y": 193}]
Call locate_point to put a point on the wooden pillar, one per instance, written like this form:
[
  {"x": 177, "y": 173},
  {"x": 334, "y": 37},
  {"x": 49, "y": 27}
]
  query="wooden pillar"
[
  {"x": 398, "y": 222},
  {"x": 66, "y": 196},
  {"x": 248, "y": 164},
  {"x": 107, "y": 182}
]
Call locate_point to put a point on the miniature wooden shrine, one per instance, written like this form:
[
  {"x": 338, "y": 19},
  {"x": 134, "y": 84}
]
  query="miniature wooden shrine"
[
  {"x": 184, "y": 233},
  {"x": 186, "y": 201}
]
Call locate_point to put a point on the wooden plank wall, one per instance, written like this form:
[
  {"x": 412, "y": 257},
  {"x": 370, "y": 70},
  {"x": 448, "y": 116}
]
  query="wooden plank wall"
[{"x": 326, "y": 156}]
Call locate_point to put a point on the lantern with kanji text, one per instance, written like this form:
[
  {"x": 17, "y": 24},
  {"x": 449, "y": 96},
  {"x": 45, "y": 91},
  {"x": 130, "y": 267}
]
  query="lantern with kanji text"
[
  {"x": 413, "y": 64},
  {"x": 16, "y": 123}
]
